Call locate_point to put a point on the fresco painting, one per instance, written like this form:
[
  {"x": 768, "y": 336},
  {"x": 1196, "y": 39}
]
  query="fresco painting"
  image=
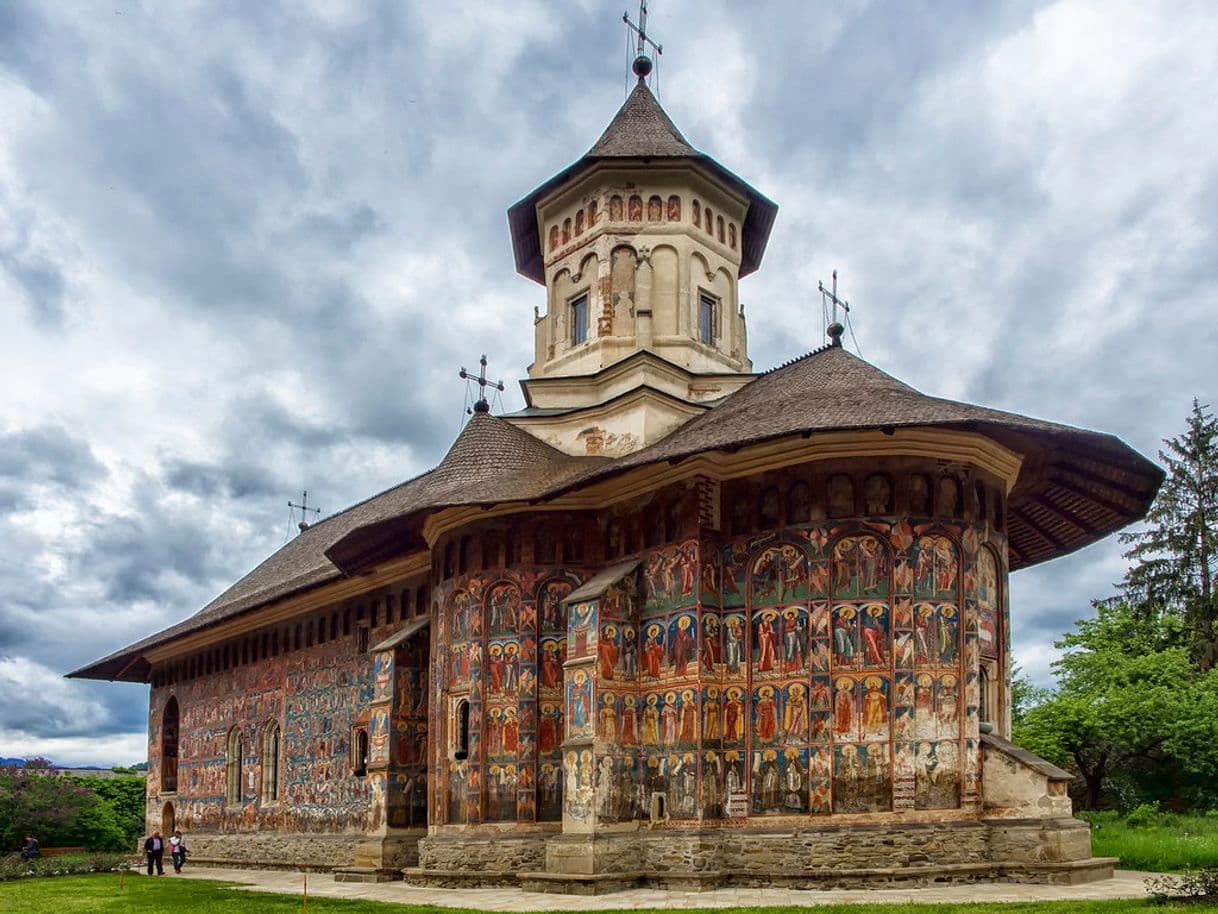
[
  {"x": 861, "y": 780},
  {"x": 988, "y": 607},
  {"x": 671, "y": 578},
  {"x": 936, "y": 568},
  {"x": 937, "y": 767},
  {"x": 762, "y": 676},
  {"x": 861, "y": 568}
]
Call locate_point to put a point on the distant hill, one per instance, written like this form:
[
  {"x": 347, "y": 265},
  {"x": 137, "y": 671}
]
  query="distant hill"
[{"x": 19, "y": 762}]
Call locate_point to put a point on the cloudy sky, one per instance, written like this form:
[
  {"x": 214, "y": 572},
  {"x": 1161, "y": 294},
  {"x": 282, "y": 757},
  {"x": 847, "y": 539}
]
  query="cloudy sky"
[{"x": 245, "y": 247}]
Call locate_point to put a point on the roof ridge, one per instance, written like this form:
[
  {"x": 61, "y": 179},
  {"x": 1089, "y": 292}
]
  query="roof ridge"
[{"x": 798, "y": 358}]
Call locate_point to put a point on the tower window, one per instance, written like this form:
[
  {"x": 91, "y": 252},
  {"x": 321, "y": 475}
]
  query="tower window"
[
  {"x": 708, "y": 309},
  {"x": 579, "y": 320}
]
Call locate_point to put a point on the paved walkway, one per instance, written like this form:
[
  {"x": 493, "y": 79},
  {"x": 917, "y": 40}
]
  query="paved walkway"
[{"x": 1126, "y": 884}]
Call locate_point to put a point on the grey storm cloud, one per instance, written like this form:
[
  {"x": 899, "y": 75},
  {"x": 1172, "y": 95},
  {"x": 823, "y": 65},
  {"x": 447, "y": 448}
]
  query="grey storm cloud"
[{"x": 245, "y": 247}]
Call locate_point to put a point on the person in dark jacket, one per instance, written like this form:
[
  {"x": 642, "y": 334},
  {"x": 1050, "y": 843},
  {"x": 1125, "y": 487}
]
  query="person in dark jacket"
[
  {"x": 30, "y": 850},
  {"x": 154, "y": 850}
]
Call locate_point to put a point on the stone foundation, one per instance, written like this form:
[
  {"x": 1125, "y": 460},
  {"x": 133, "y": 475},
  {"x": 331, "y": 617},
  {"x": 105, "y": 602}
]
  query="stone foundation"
[
  {"x": 269, "y": 850},
  {"x": 1056, "y": 851},
  {"x": 464, "y": 861}
]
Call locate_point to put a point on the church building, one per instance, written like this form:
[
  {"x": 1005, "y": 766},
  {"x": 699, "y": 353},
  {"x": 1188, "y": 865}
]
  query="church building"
[{"x": 675, "y": 622}]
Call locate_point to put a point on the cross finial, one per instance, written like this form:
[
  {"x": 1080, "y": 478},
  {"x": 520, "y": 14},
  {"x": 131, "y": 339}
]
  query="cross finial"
[
  {"x": 827, "y": 296},
  {"x": 482, "y": 406},
  {"x": 642, "y": 63},
  {"x": 304, "y": 509}
]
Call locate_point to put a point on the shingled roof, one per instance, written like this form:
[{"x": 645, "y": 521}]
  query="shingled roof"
[
  {"x": 1075, "y": 486},
  {"x": 640, "y": 130},
  {"x": 491, "y": 461}
]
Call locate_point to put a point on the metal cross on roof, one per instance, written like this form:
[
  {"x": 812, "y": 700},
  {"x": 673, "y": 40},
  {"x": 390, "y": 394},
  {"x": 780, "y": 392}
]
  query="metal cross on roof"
[
  {"x": 482, "y": 406},
  {"x": 827, "y": 296},
  {"x": 642, "y": 63},
  {"x": 304, "y": 510}
]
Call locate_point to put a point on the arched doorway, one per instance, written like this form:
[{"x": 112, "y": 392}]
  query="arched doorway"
[{"x": 169, "y": 822}]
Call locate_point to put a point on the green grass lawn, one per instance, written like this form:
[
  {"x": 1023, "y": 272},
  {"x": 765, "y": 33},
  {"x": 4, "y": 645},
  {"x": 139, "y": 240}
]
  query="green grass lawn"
[
  {"x": 100, "y": 894},
  {"x": 1169, "y": 843}
]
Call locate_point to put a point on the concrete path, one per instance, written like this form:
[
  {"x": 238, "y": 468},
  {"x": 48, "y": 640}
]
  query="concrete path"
[{"x": 1126, "y": 884}]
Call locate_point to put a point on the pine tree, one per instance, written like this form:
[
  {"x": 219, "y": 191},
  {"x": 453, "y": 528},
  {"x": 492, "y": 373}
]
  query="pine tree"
[{"x": 1175, "y": 558}]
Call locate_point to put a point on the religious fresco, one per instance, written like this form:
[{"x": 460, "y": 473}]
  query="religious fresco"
[
  {"x": 827, "y": 668},
  {"x": 671, "y": 578},
  {"x": 989, "y": 609},
  {"x": 820, "y": 669},
  {"x": 520, "y": 706},
  {"x": 313, "y": 694}
]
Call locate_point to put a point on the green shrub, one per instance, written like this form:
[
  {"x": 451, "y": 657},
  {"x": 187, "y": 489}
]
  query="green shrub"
[
  {"x": 1144, "y": 815},
  {"x": 1201, "y": 886},
  {"x": 13, "y": 867}
]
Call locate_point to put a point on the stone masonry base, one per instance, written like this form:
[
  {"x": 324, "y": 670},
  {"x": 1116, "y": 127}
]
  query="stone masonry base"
[{"x": 1047, "y": 851}]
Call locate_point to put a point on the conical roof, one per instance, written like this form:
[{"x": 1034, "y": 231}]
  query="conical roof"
[{"x": 641, "y": 129}]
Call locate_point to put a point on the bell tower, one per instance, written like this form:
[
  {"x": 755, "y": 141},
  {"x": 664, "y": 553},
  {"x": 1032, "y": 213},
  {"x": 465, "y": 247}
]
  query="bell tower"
[{"x": 640, "y": 246}]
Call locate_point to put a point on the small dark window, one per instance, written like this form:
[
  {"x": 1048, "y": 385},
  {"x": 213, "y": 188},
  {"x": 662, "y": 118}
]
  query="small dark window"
[
  {"x": 653, "y": 529},
  {"x": 448, "y": 560},
  {"x": 420, "y": 599},
  {"x": 360, "y": 761},
  {"x": 361, "y": 639},
  {"x": 544, "y": 549},
  {"x": 982, "y": 505},
  {"x": 573, "y": 544},
  {"x": 769, "y": 509},
  {"x": 672, "y": 521},
  {"x": 463, "y": 555},
  {"x": 632, "y": 536},
  {"x": 462, "y": 750},
  {"x": 707, "y": 308},
  {"x": 579, "y": 320},
  {"x": 799, "y": 503}
]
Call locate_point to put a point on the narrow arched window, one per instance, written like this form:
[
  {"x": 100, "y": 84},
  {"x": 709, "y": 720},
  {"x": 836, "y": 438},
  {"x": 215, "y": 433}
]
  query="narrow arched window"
[
  {"x": 270, "y": 763},
  {"x": 462, "y": 748},
  {"x": 169, "y": 746},
  {"x": 985, "y": 687},
  {"x": 359, "y": 760},
  {"x": 232, "y": 767}
]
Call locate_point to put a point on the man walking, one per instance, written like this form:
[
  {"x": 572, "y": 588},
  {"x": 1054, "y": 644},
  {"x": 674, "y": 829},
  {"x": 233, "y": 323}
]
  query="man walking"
[
  {"x": 30, "y": 850},
  {"x": 154, "y": 850}
]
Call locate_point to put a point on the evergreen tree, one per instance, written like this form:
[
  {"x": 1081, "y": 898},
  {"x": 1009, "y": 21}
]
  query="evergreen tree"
[{"x": 1175, "y": 558}]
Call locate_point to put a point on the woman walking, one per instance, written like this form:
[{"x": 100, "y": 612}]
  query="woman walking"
[{"x": 177, "y": 850}]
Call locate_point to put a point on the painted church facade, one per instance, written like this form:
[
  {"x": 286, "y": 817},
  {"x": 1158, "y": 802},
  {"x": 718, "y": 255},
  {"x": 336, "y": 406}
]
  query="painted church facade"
[{"x": 673, "y": 622}]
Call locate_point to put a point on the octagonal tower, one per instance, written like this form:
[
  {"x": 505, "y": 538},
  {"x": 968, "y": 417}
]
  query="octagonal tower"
[{"x": 640, "y": 245}]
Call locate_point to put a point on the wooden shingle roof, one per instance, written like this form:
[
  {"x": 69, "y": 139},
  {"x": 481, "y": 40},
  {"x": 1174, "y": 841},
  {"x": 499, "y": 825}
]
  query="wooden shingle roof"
[{"x": 1075, "y": 486}]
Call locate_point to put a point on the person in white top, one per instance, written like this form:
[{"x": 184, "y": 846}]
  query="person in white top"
[{"x": 177, "y": 850}]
